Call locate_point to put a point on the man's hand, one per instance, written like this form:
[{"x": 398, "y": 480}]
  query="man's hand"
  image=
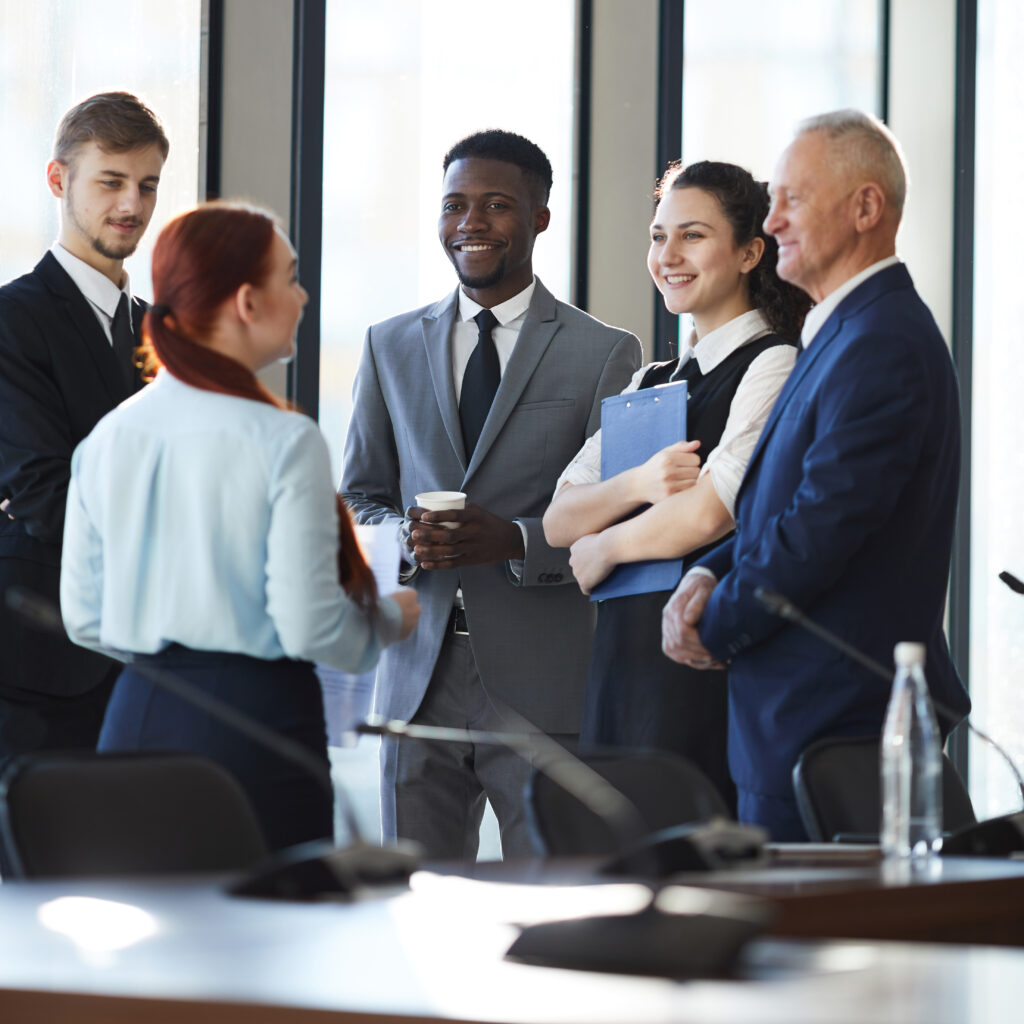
[
  {"x": 478, "y": 538},
  {"x": 589, "y": 562},
  {"x": 667, "y": 472},
  {"x": 679, "y": 637},
  {"x": 4, "y": 506}
]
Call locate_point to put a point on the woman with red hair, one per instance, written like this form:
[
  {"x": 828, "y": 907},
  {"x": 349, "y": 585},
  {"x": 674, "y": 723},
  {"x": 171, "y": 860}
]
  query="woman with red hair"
[{"x": 204, "y": 536}]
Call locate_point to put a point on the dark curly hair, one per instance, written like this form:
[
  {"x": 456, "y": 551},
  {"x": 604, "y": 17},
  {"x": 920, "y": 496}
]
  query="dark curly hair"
[
  {"x": 495, "y": 144},
  {"x": 744, "y": 201}
]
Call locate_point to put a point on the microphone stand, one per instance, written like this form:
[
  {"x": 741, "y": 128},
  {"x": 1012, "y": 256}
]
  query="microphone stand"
[
  {"x": 785, "y": 609},
  {"x": 303, "y": 870}
]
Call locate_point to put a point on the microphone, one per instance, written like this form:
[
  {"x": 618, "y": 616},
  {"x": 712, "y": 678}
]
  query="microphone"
[
  {"x": 669, "y": 937},
  {"x": 303, "y": 871},
  {"x": 781, "y": 606},
  {"x": 703, "y": 846},
  {"x": 1012, "y": 582},
  {"x": 576, "y": 777}
]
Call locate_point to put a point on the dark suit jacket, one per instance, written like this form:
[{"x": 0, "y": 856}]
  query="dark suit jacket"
[
  {"x": 58, "y": 377},
  {"x": 847, "y": 508}
]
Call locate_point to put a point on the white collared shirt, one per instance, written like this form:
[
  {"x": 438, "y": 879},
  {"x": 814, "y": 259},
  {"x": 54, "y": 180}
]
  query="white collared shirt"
[
  {"x": 102, "y": 293},
  {"x": 823, "y": 310},
  {"x": 510, "y": 316},
  {"x": 751, "y": 404}
]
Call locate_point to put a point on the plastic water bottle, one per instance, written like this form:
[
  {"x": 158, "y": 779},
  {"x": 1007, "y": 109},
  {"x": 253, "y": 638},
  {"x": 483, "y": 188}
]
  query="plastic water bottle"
[{"x": 911, "y": 763}]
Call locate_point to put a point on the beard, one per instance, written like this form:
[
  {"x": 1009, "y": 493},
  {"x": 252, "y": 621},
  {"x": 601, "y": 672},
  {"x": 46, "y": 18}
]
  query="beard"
[
  {"x": 117, "y": 250},
  {"x": 496, "y": 276}
]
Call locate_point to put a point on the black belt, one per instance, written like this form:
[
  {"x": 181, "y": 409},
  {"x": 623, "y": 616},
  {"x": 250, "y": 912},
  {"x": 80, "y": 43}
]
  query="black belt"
[{"x": 457, "y": 622}]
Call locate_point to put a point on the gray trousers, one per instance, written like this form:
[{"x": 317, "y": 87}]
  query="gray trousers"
[{"x": 435, "y": 793}]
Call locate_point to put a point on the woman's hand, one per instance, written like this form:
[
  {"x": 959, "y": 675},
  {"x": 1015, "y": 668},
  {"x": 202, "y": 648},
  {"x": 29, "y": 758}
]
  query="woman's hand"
[
  {"x": 667, "y": 472},
  {"x": 590, "y": 562},
  {"x": 408, "y": 601}
]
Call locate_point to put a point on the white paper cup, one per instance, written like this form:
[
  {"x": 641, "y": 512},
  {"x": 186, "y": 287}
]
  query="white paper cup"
[{"x": 439, "y": 501}]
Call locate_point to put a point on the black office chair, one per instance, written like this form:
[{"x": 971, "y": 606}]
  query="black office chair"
[
  {"x": 839, "y": 792},
  {"x": 87, "y": 814},
  {"x": 664, "y": 788}
]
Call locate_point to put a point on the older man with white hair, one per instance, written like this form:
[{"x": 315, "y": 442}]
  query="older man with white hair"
[{"x": 849, "y": 500}]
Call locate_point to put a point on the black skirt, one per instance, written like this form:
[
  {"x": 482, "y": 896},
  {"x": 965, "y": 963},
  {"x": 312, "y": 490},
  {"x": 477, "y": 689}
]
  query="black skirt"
[
  {"x": 291, "y": 804},
  {"x": 638, "y": 697}
]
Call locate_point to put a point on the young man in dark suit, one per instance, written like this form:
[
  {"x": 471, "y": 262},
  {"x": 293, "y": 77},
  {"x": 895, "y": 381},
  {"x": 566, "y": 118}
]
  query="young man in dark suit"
[
  {"x": 67, "y": 334},
  {"x": 850, "y": 497}
]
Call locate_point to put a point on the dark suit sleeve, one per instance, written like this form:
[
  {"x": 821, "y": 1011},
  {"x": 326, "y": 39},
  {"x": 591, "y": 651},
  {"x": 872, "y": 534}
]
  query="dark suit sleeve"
[
  {"x": 371, "y": 483},
  {"x": 35, "y": 440},
  {"x": 544, "y": 564},
  {"x": 868, "y": 423}
]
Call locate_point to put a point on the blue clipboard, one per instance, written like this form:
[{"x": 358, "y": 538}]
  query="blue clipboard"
[{"x": 633, "y": 428}]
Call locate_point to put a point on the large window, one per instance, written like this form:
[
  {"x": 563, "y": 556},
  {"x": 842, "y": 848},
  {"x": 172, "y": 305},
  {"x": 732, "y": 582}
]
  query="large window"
[
  {"x": 404, "y": 81},
  {"x": 54, "y": 53},
  {"x": 997, "y": 455},
  {"x": 753, "y": 69}
]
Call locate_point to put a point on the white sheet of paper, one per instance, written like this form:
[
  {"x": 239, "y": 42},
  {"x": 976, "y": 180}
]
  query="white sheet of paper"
[{"x": 380, "y": 547}]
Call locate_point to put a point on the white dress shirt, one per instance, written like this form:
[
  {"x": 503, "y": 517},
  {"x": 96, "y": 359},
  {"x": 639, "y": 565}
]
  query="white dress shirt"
[
  {"x": 510, "y": 315},
  {"x": 753, "y": 401},
  {"x": 823, "y": 310},
  {"x": 102, "y": 293},
  {"x": 210, "y": 521}
]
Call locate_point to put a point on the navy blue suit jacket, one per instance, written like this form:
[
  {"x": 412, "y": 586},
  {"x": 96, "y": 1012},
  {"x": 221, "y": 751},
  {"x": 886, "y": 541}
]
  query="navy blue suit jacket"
[
  {"x": 58, "y": 377},
  {"x": 847, "y": 508}
]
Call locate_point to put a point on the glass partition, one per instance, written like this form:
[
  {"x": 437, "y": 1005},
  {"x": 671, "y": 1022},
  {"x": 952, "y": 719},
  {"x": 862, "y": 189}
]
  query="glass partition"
[
  {"x": 54, "y": 53},
  {"x": 404, "y": 81},
  {"x": 997, "y": 454},
  {"x": 751, "y": 70}
]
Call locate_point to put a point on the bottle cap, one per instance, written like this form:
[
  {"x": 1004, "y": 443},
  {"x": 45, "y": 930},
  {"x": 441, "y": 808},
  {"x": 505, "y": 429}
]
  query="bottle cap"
[{"x": 907, "y": 654}]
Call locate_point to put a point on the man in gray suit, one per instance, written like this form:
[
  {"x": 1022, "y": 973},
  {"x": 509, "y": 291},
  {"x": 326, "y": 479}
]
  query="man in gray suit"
[{"x": 490, "y": 391}]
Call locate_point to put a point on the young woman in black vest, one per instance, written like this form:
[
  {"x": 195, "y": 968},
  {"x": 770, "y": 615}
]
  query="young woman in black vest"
[{"x": 710, "y": 258}]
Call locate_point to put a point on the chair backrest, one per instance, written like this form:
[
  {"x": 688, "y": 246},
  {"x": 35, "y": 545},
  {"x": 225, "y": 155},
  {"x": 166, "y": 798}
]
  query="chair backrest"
[
  {"x": 88, "y": 814},
  {"x": 839, "y": 791},
  {"x": 665, "y": 789}
]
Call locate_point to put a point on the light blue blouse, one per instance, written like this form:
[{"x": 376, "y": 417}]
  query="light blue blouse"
[{"x": 210, "y": 521}]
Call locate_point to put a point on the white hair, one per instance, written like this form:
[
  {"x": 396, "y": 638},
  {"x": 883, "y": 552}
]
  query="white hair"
[{"x": 862, "y": 147}]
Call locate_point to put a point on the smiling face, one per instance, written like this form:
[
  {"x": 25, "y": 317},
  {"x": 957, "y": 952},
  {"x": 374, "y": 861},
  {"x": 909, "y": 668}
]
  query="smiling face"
[
  {"x": 695, "y": 261},
  {"x": 813, "y": 217},
  {"x": 490, "y": 218},
  {"x": 107, "y": 200}
]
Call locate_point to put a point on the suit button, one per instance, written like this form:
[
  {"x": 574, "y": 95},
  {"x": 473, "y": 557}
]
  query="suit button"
[{"x": 557, "y": 578}]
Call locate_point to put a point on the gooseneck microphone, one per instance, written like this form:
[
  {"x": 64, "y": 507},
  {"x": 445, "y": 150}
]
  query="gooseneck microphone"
[
  {"x": 1012, "y": 582},
  {"x": 781, "y": 606},
  {"x": 306, "y": 870},
  {"x": 575, "y": 776}
]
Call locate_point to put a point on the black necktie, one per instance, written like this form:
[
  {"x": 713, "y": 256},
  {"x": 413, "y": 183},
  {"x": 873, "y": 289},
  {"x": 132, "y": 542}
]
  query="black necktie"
[
  {"x": 479, "y": 382},
  {"x": 690, "y": 370},
  {"x": 124, "y": 342}
]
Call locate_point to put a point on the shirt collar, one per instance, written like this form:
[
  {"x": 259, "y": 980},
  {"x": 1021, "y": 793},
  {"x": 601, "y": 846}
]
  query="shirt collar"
[
  {"x": 719, "y": 344},
  {"x": 823, "y": 310},
  {"x": 505, "y": 312},
  {"x": 95, "y": 286}
]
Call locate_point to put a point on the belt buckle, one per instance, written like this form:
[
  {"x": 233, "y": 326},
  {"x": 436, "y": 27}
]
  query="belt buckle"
[{"x": 460, "y": 627}]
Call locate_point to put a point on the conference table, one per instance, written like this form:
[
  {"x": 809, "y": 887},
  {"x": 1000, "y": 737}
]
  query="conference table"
[{"x": 161, "y": 951}]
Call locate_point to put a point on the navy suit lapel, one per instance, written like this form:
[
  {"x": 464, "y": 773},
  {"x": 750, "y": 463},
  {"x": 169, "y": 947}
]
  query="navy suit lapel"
[
  {"x": 437, "y": 343},
  {"x": 74, "y": 309},
  {"x": 538, "y": 329},
  {"x": 885, "y": 280}
]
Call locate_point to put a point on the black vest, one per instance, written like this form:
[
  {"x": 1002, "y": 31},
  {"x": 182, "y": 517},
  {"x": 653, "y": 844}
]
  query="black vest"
[{"x": 709, "y": 399}]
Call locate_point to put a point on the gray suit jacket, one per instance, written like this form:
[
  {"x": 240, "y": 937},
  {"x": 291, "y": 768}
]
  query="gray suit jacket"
[{"x": 531, "y": 638}]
